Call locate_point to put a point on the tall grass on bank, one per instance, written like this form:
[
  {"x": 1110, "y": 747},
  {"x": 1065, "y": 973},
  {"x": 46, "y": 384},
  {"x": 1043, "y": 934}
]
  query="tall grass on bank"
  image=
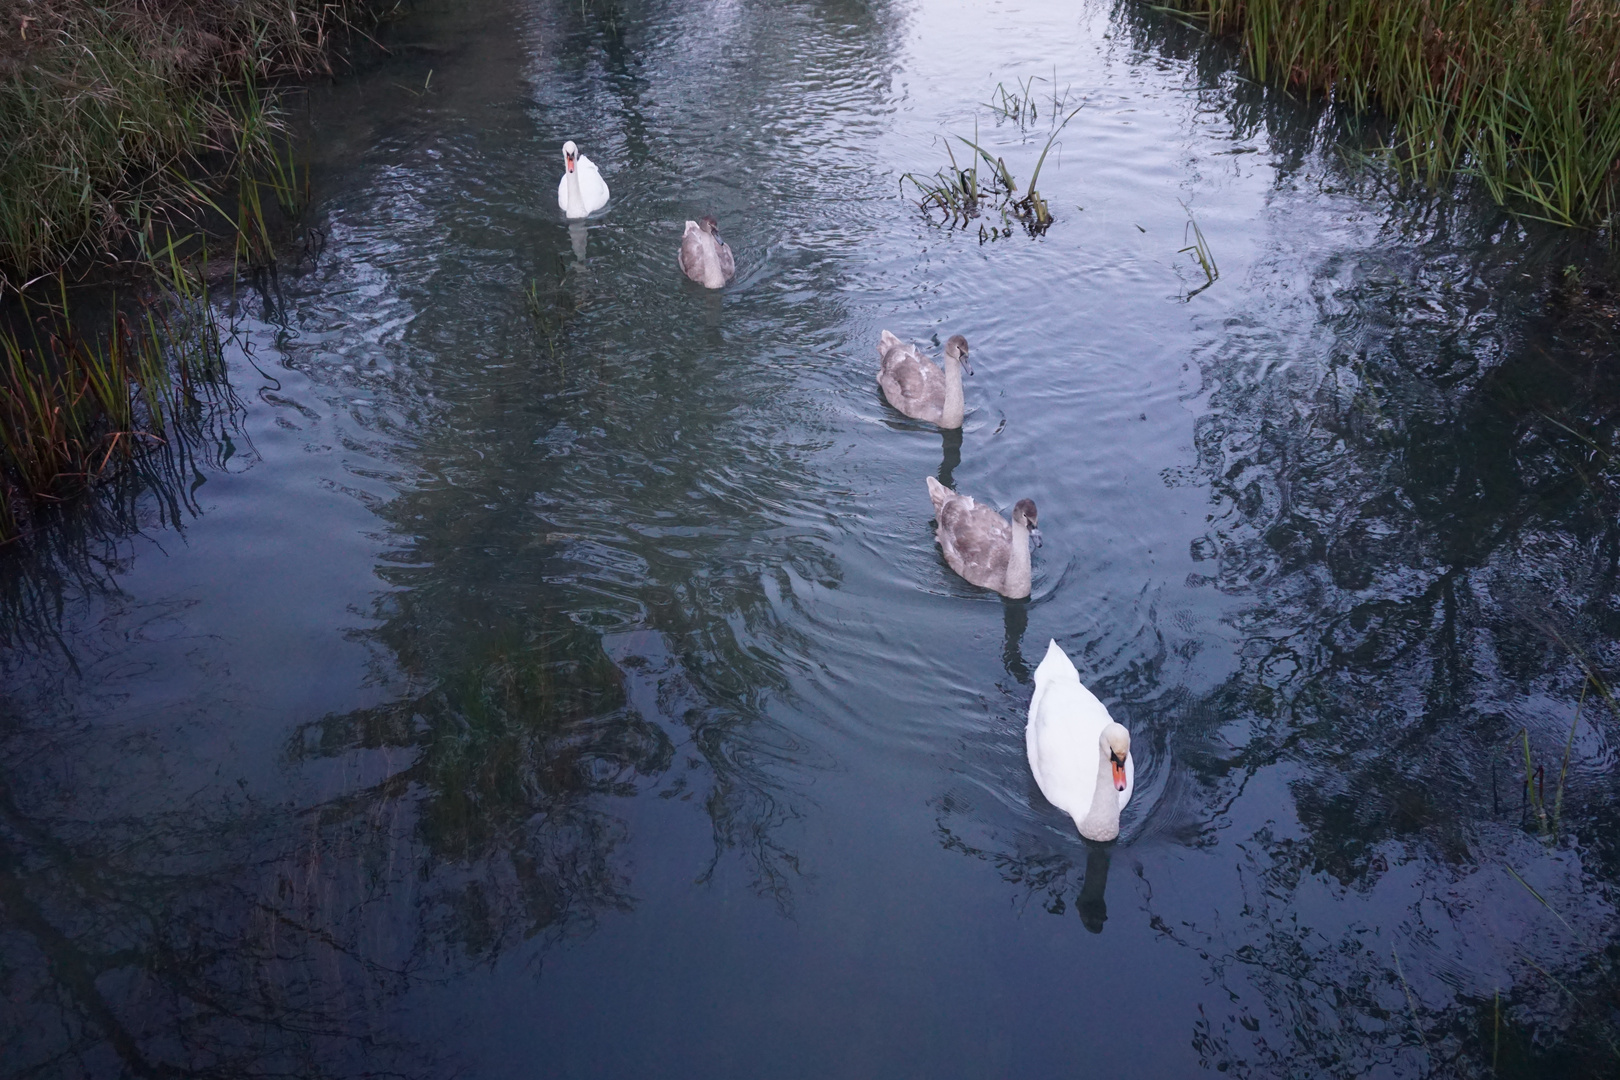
[
  {"x": 122, "y": 121},
  {"x": 110, "y": 111},
  {"x": 1523, "y": 93}
]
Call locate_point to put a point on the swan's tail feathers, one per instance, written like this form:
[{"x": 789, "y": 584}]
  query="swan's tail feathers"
[
  {"x": 886, "y": 341},
  {"x": 691, "y": 227},
  {"x": 937, "y": 492},
  {"x": 1055, "y": 665}
]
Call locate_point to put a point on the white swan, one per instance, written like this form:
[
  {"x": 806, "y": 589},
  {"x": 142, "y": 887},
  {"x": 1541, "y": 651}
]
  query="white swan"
[
  {"x": 582, "y": 191},
  {"x": 915, "y": 385},
  {"x": 980, "y": 545},
  {"x": 704, "y": 257},
  {"x": 1080, "y": 757}
]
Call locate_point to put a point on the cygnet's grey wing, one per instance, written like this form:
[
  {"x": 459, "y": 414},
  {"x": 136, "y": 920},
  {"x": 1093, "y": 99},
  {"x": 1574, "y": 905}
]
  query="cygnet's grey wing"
[
  {"x": 691, "y": 256},
  {"x": 728, "y": 265},
  {"x": 913, "y": 385},
  {"x": 976, "y": 540}
]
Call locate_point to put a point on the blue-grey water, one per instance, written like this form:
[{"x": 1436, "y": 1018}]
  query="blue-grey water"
[{"x": 549, "y": 672}]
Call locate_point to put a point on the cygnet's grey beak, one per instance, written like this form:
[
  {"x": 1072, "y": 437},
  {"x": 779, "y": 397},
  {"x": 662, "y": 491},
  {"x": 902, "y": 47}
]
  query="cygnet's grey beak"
[
  {"x": 967, "y": 367},
  {"x": 1035, "y": 535}
]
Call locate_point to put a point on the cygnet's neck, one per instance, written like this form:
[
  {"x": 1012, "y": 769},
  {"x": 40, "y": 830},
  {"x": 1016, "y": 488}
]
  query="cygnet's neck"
[
  {"x": 950, "y": 415},
  {"x": 1102, "y": 821},
  {"x": 1016, "y": 584}
]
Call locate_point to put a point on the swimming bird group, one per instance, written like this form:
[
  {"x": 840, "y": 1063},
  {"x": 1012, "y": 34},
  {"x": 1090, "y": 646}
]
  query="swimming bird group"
[{"x": 1080, "y": 757}]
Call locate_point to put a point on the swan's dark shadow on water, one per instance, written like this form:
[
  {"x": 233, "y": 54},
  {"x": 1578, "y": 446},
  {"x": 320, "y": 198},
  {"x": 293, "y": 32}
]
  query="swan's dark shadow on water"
[
  {"x": 1042, "y": 869},
  {"x": 951, "y": 456},
  {"x": 1092, "y": 903},
  {"x": 1015, "y": 622}
]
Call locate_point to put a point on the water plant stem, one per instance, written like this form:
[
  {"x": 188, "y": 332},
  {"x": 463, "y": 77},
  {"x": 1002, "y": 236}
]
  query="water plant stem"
[{"x": 1563, "y": 769}]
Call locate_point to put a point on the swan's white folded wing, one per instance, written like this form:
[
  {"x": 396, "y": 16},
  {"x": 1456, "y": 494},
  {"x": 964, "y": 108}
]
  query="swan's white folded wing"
[
  {"x": 591, "y": 185},
  {"x": 1063, "y": 749}
]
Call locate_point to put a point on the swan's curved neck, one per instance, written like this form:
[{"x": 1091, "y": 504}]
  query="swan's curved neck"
[
  {"x": 1102, "y": 820},
  {"x": 576, "y": 200},
  {"x": 951, "y": 413},
  {"x": 1018, "y": 571}
]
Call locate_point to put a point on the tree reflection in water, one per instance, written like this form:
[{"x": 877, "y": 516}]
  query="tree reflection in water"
[
  {"x": 1420, "y": 514},
  {"x": 1415, "y": 500},
  {"x": 574, "y": 609},
  {"x": 205, "y": 941},
  {"x": 1425, "y": 529}
]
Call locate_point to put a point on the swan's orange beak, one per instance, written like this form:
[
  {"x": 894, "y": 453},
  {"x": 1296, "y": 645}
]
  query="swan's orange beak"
[
  {"x": 1119, "y": 773},
  {"x": 570, "y": 162}
]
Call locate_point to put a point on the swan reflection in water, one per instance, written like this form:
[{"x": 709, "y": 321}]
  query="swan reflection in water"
[
  {"x": 951, "y": 438},
  {"x": 1091, "y": 903},
  {"x": 1048, "y": 874},
  {"x": 576, "y": 237},
  {"x": 1015, "y": 620}
]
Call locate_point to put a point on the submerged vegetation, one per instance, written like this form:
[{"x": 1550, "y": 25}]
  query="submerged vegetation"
[
  {"x": 1525, "y": 95},
  {"x": 1198, "y": 248}
]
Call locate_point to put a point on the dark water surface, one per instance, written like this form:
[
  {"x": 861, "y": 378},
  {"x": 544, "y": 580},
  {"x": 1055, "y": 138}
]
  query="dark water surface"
[{"x": 577, "y": 691}]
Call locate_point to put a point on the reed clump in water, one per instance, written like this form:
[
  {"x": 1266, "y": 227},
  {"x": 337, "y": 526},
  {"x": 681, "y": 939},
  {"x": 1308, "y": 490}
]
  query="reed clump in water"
[
  {"x": 76, "y": 404},
  {"x": 1523, "y": 93},
  {"x": 110, "y": 110},
  {"x": 960, "y": 197}
]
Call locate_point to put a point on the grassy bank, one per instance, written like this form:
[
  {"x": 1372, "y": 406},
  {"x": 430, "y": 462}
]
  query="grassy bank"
[
  {"x": 111, "y": 111},
  {"x": 1525, "y": 94},
  {"x": 130, "y": 129}
]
